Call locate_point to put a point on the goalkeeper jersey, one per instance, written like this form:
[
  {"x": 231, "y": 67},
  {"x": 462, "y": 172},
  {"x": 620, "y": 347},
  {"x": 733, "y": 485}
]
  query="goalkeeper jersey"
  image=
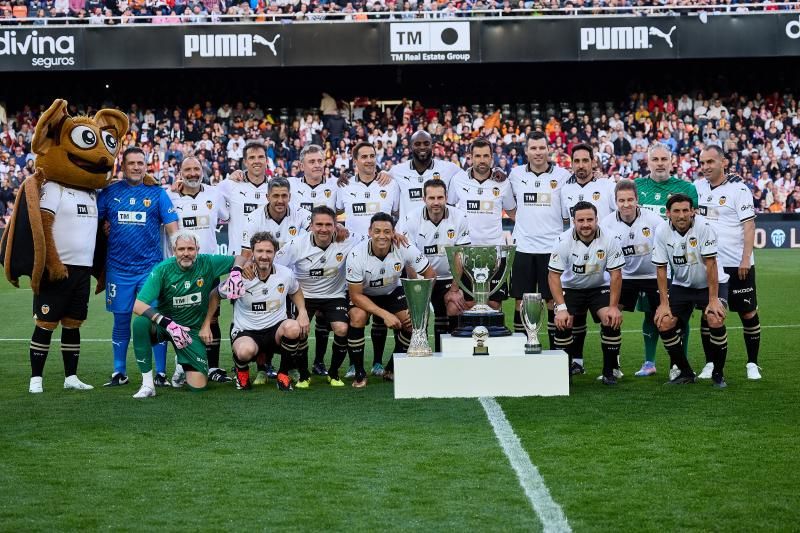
[{"x": 653, "y": 195}]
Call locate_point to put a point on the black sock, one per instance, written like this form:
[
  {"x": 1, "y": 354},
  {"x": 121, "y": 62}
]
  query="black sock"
[
  {"x": 212, "y": 350},
  {"x": 40, "y": 346},
  {"x": 564, "y": 340},
  {"x": 610, "y": 341},
  {"x": 288, "y": 354},
  {"x": 301, "y": 359},
  {"x": 551, "y": 328},
  {"x": 452, "y": 323},
  {"x": 239, "y": 364},
  {"x": 440, "y": 327},
  {"x": 321, "y": 333},
  {"x": 378, "y": 334},
  {"x": 518, "y": 326},
  {"x": 355, "y": 345},
  {"x": 401, "y": 341},
  {"x": 719, "y": 345},
  {"x": 579, "y": 329},
  {"x": 70, "y": 350},
  {"x": 705, "y": 339},
  {"x": 752, "y": 337},
  {"x": 338, "y": 355},
  {"x": 673, "y": 343}
]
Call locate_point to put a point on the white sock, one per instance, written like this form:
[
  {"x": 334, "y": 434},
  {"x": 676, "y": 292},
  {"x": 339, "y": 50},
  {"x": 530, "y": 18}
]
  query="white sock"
[
  {"x": 579, "y": 361},
  {"x": 210, "y": 370},
  {"x": 147, "y": 380}
]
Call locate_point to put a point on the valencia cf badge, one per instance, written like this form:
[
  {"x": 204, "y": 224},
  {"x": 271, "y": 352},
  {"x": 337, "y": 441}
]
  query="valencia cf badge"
[
  {"x": 209, "y": 204},
  {"x": 398, "y": 267},
  {"x": 595, "y": 196},
  {"x": 200, "y": 282},
  {"x": 383, "y": 194},
  {"x": 281, "y": 288},
  {"x": 693, "y": 242},
  {"x": 147, "y": 202},
  {"x": 451, "y": 233},
  {"x": 496, "y": 191},
  {"x": 553, "y": 184},
  {"x": 646, "y": 231},
  {"x": 601, "y": 254},
  {"x": 339, "y": 257},
  {"x": 292, "y": 231}
]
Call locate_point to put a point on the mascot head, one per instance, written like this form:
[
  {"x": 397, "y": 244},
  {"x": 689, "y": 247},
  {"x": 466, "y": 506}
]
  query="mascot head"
[{"x": 78, "y": 151}]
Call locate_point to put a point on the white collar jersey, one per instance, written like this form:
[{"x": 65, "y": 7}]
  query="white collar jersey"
[
  {"x": 381, "y": 276},
  {"x": 586, "y": 266},
  {"x": 727, "y": 207},
  {"x": 75, "y": 224},
  {"x": 360, "y": 200},
  {"x": 432, "y": 238},
  {"x": 293, "y": 224},
  {"x": 636, "y": 240},
  {"x": 264, "y": 302},
  {"x": 320, "y": 272},
  {"x": 483, "y": 202},
  {"x": 599, "y": 192},
  {"x": 308, "y": 196},
  {"x": 538, "y": 221},
  {"x": 199, "y": 214},
  {"x": 685, "y": 254},
  {"x": 410, "y": 181},
  {"x": 243, "y": 198}
]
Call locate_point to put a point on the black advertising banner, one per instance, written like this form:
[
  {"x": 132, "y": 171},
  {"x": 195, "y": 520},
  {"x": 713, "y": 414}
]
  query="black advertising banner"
[
  {"x": 777, "y": 232},
  {"x": 490, "y": 40}
]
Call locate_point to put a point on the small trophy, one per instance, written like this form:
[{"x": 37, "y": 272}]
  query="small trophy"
[
  {"x": 418, "y": 298},
  {"x": 480, "y": 334},
  {"x": 531, "y": 310}
]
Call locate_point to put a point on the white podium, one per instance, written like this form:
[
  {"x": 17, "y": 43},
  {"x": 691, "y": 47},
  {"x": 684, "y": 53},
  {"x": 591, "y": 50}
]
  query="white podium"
[{"x": 506, "y": 371}]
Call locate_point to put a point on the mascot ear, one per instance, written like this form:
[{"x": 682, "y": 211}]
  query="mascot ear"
[
  {"x": 48, "y": 129},
  {"x": 114, "y": 119}
]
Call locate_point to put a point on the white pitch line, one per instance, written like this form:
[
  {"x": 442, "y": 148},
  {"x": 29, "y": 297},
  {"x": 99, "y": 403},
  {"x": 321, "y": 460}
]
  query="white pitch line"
[
  {"x": 548, "y": 511},
  {"x": 775, "y": 326}
]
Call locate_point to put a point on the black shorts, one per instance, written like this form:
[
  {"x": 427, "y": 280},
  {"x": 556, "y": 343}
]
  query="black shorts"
[
  {"x": 66, "y": 298},
  {"x": 265, "y": 338},
  {"x": 741, "y": 294},
  {"x": 440, "y": 288},
  {"x": 327, "y": 310},
  {"x": 631, "y": 288},
  {"x": 579, "y": 301},
  {"x": 529, "y": 274},
  {"x": 683, "y": 300},
  {"x": 394, "y": 302},
  {"x": 502, "y": 292}
]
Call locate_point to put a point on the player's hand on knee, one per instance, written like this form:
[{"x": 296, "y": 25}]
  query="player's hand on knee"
[
  {"x": 392, "y": 322},
  {"x": 715, "y": 308},
  {"x": 179, "y": 335},
  {"x": 563, "y": 320}
]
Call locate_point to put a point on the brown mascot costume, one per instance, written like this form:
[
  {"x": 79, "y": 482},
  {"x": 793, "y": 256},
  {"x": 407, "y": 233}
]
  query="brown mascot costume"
[{"x": 53, "y": 236}]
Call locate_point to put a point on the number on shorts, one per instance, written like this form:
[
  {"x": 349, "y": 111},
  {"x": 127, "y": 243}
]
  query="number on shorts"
[{"x": 112, "y": 290}]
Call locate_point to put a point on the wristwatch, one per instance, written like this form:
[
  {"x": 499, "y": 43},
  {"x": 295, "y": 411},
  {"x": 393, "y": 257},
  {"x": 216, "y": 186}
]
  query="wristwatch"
[{"x": 560, "y": 307}]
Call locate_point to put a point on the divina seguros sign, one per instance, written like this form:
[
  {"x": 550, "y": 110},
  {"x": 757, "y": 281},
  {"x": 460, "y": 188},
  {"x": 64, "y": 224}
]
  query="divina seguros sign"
[{"x": 45, "y": 49}]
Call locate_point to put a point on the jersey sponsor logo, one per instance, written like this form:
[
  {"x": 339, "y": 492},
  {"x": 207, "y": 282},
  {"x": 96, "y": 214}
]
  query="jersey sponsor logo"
[
  {"x": 359, "y": 208},
  {"x": 376, "y": 283},
  {"x": 249, "y": 208},
  {"x": 415, "y": 194},
  {"x": 703, "y": 210},
  {"x": 316, "y": 273},
  {"x": 86, "y": 210},
  {"x": 281, "y": 288},
  {"x": 601, "y": 254},
  {"x": 693, "y": 242},
  {"x": 187, "y": 300},
  {"x": 679, "y": 259},
  {"x": 595, "y": 196},
  {"x": 189, "y": 222},
  {"x": 431, "y": 250},
  {"x": 147, "y": 203},
  {"x": 579, "y": 269},
  {"x": 258, "y": 306},
  {"x": 398, "y": 267},
  {"x": 628, "y": 250},
  {"x": 131, "y": 217},
  {"x": 530, "y": 198}
]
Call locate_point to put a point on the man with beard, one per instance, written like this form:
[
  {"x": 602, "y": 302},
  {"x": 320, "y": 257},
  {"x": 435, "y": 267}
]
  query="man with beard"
[{"x": 135, "y": 214}]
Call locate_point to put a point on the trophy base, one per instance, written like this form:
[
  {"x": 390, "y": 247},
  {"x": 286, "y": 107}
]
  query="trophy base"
[
  {"x": 494, "y": 322},
  {"x": 531, "y": 349},
  {"x": 480, "y": 350}
]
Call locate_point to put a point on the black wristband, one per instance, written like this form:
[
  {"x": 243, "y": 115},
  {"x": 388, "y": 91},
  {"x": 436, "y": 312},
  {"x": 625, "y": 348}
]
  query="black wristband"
[
  {"x": 236, "y": 269},
  {"x": 164, "y": 321}
]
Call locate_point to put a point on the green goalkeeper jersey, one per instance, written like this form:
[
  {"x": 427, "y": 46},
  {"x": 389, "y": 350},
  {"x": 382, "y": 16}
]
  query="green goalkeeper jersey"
[
  {"x": 654, "y": 195},
  {"x": 182, "y": 295}
]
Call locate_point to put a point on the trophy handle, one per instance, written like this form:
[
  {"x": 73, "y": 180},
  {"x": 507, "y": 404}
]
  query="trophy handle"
[
  {"x": 510, "y": 250},
  {"x": 457, "y": 266}
]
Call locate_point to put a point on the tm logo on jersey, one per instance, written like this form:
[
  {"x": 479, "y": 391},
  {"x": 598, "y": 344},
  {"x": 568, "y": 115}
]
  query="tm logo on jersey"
[
  {"x": 188, "y": 300},
  {"x": 131, "y": 217}
]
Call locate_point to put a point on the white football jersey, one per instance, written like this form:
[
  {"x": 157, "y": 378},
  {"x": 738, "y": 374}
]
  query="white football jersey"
[
  {"x": 75, "y": 224},
  {"x": 599, "y": 192},
  {"x": 538, "y": 221},
  {"x": 433, "y": 238},
  {"x": 586, "y": 266},
  {"x": 410, "y": 181},
  {"x": 382, "y": 276},
  {"x": 199, "y": 214},
  {"x": 360, "y": 200},
  {"x": 294, "y": 224},
  {"x": 242, "y": 199},
  {"x": 727, "y": 207},
  {"x": 483, "y": 202},
  {"x": 685, "y": 254},
  {"x": 636, "y": 240},
  {"x": 319, "y": 271},
  {"x": 264, "y": 302},
  {"x": 310, "y": 196}
]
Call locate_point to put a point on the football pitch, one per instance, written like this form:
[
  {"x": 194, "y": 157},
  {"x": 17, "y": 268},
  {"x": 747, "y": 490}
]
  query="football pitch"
[{"x": 636, "y": 457}]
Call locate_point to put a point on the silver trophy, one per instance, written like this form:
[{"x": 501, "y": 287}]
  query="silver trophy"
[
  {"x": 531, "y": 309},
  {"x": 480, "y": 264},
  {"x": 418, "y": 297}
]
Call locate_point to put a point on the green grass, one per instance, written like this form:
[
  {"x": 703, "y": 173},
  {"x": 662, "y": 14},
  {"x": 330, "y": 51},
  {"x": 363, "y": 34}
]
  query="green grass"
[{"x": 640, "y": 457}]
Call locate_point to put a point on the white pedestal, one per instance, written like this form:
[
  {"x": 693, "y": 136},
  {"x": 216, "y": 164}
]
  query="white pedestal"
[{"x": 506, "y": 371}]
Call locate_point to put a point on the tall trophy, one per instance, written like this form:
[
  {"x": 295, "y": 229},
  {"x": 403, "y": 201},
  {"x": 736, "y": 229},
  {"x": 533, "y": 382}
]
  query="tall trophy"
[
  {"x": 418, "y": 297},
  {"x": 531, "y": 310},
  {"x": 480, "y": 264}
]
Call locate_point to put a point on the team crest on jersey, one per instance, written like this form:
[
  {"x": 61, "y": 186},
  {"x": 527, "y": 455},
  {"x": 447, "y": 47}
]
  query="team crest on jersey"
[
  {"x": 553, "y": 184},
  {"x": 692, "y": 242},
  {"x": 281, "y": 288},
  {"x": 45, "y": 309},
  {"x": 132, "y": 201},
  {"x": 657, "y": 196},
  {"x": 496, "y": 191},
  {"x": 327, "y": 193},
  {"x": 292, "y": 231},
  {"x": 436, "y": 176},
  {"x": 209, "y": 204},
  {"x": 200, "y": 282},
  {"x": 147, "y": 202},
  {"x": 187, "y": 284},
  {"x": 257, "y": 195},
  {"x": 383, "y": 193},
  {"x": 451, "y": 233},
  {"x": 339, "y": 257},
  {"x": 595, "y": 196},
  {"x": 722, "y": 200},
  {"x": 601, "y": 254},
  {"x": 646, "y": 231},
  {"x": 398, "y": 267}
]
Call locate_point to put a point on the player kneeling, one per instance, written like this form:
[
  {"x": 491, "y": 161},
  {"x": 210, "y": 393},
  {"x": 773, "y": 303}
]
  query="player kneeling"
[{"x": 259, "y": 316}]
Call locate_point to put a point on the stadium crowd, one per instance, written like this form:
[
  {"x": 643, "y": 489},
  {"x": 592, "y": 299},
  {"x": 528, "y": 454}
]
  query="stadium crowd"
[
  {"x": 759, "y": 134},
  {"x": 113, "y": 12}
]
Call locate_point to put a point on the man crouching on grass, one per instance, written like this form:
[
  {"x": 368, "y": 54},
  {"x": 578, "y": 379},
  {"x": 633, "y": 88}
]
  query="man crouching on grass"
[{"x": 181, "y": 285}]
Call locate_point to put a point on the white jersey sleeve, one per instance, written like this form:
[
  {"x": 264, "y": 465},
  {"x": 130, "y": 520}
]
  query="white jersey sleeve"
[
  {"x": 559, "y": 259},
  {"x": 414, "y": 258}
]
